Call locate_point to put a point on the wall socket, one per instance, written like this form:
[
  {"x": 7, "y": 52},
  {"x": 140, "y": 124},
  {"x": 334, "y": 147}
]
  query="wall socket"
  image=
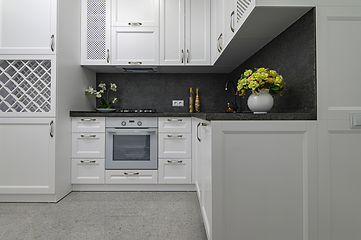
[{"x": 178, "y": 103}]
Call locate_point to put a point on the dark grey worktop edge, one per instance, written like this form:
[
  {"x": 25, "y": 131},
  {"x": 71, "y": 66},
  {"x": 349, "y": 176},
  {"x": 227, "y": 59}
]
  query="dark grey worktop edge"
[{"x": 207, "y": 116}]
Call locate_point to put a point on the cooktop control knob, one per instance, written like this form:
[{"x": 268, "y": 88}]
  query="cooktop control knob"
[
  {"x": 139, "y": 123},
  {"x": 123, "y": 123}
]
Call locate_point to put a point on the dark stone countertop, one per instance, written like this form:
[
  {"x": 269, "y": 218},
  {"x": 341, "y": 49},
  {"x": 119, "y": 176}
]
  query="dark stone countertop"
[{"x": 305, "y": 115}]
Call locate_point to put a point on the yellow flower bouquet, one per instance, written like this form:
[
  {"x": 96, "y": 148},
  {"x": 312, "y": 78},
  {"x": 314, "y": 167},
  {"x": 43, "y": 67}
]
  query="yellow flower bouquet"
[{"x": 260, "y": 79}]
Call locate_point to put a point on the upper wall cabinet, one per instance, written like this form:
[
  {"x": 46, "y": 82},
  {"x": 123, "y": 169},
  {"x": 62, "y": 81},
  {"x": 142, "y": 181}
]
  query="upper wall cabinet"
[
  {"x": 135, "y": 13},
  {"x": 185, "y": 32},
  {"x": 28, "y": 27},
  {"x": 95, "y": 32}
]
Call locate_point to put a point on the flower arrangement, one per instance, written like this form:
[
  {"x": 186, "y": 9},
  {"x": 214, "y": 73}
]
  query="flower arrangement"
[
  {"x": 260, "y": 79},
  {"x": 105, "y": 102}
]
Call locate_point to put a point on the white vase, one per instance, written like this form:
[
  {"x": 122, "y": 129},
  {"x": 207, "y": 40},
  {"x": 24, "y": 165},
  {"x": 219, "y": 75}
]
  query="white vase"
[{"x": 260, "y": 102}]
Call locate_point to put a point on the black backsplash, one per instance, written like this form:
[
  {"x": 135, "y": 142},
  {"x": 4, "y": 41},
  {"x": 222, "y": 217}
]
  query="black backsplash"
[{"x": 292, "y": 54}]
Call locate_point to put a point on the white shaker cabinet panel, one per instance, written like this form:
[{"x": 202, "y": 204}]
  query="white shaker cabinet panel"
[
  {"x": 135, "y": 13},
  {"x": 175, "y": 145},
  {"x": 88, "y": 124},
  {"x": 27, "y": 153},
  {"x": 131, "y": 176},
  {"x": 169, "y": 124},
  {"x": 135, "y": 46},
  {"x": 175, "y": 171},
  {"x": 88, "y": 171},
  {"x": 88, "y": 145},
  {"x": 28, "y": 27}
]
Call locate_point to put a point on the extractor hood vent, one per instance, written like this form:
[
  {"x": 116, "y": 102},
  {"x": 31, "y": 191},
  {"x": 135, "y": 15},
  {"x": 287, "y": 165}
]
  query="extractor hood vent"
[{"x": 139, "y": 70}]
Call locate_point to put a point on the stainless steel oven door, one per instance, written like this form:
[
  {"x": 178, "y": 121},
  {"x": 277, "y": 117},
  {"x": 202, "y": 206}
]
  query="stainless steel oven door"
[{"x": 134, "y": 148}]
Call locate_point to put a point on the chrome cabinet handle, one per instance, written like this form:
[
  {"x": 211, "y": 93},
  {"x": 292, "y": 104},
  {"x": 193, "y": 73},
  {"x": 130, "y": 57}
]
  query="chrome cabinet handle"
[
  {"x": 182, "y": 55},
  {"x": 88, "y": 161},
  {"x": 174, "y": 161},
  {"x": 174, "y": 120},
  {"x": 88, "y": 136},
  {"x": 88, "y": 119},
  {"x": 232, "y": 22},
  {"x": 187, "y": 56},
  {"x": 219, "y": 42},
  {"x": 200, "y": 124},
  {"x": 135, "y": 63},
  {"x": 170, "y": 136},
  {"x": 135, "y": 23},
  {"x": 51, "y": 129},
  {"x": 52, "y": 43},
  {"x": 131, "y": 173},
  {"x": 107, "y": 55}
]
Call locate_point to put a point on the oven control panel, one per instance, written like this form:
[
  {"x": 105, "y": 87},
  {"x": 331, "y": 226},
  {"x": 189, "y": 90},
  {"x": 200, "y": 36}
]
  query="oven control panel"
[{"x": 131, "y": 122}]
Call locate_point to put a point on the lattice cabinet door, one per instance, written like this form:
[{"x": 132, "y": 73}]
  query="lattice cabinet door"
[
  {"x": 95, "y": 32},
  {"x": 27, "y": 86},
  {"x": 28, "y": 26}
]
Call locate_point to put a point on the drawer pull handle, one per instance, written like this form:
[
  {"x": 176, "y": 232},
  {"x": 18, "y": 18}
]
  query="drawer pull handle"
[
  {"x": 135, "y": 23},
  {"x": 174, "y": 120},
  {"x": 131, "y": 173},
  {"x": 174, "y": 161},
  {"x": 88, "y": 161},
  {"x": 88, "y": 119},
  {"x": 135, "y": 63},
  {"x": 170, "y": 135},
  {"x": 88, "y": 136}
]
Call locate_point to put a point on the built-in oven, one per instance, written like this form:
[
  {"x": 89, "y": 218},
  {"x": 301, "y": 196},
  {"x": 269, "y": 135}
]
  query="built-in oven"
[{"x": 131, "y": 143}]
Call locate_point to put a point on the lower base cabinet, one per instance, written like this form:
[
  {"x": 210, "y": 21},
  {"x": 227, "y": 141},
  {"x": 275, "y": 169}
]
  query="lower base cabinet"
[
  {"x": 175, "y": 171},
  {"x": 88, "y": 171}
]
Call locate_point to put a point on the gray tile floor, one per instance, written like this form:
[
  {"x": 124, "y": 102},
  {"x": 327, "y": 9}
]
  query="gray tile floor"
[{"x": 106, "y": 215}]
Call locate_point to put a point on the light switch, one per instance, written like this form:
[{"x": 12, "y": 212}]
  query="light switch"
[{"x": 355, "y": 120}]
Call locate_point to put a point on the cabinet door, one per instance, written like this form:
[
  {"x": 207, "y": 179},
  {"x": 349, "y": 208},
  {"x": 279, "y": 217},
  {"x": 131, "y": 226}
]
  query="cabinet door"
[
  {"x": 175, "y": 145},
  {"x": 88, "y": 124},
  {"x": 197, "y": 50},
  {"x": 175, "y": 171},
  {"x": 88, "y": 145},
  {"x": 174, "y": 124},
  {"x": 28, "y": 27},
  {"x": 131, "y": 176},
  {"x": 217, "y": 26},
  {"x": 172, "y": 50},
  {"x": 27, "y": 85},
  {"x": 135, "y": 46},
  {"x": 88, "y": 171},
  {"x": 95, "y": 32},
  {"x": 135, "y": 13},
  {"x": 27, "y": 148}
]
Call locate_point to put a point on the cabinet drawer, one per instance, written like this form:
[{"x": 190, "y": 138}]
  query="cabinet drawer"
[
  {"x": 90, "y": 171},
  {"x": 88, "y": 145},
  {"x": 85, "y": 124},
  {"x": 131, "y": 176},
  {"x": 175, "y": 170},
  {"x": 175, "y": 145},
  {"x": 174, "y": 124}
]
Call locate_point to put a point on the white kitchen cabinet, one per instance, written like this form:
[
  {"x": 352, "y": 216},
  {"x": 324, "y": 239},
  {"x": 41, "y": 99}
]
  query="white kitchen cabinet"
[
  {"x": 175, "y": 150},
  {"x": 217, "y": 34},
  {"x": 262, "y": 172},
  {"x": 27, "y": 147},
  {"x": 88, "y": 145},
  {"x": 185, "y": 32},
  {"x": 28, "y": 27},
  {"x": 88, "y": 171},
  {"x": 88, "y": 124},
  {"x": 175, "y": 171},
  {"x": 135, "y": 46},
  {"x": 132, "y": 13},
  {"x": 95, "y": 32},
  {"x": 131, "y": 176},
  {"x": 172, "y": 124}
]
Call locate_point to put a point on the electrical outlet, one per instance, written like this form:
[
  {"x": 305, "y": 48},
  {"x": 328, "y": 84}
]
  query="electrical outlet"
[{"x": 178, "y": 103}]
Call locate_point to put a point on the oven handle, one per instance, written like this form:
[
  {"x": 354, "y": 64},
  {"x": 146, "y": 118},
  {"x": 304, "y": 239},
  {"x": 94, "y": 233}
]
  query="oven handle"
[{"x": 127, "y": 131}]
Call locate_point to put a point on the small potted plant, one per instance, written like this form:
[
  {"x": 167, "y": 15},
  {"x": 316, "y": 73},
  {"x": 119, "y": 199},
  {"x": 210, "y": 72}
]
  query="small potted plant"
[
  {"x": 103, "y": 95},
  {"x": 264, "y": 84}
]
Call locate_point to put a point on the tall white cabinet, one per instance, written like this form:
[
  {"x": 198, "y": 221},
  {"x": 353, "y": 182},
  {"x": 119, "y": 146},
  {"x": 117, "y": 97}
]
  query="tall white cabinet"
[
  {"x": 39, "y": 85},
  {"x": 338, "y": 38}
]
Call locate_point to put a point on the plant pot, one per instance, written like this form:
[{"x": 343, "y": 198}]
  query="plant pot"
[
  {"x": 260, "y": 102},
  {"x": 105, "y": 110}
]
